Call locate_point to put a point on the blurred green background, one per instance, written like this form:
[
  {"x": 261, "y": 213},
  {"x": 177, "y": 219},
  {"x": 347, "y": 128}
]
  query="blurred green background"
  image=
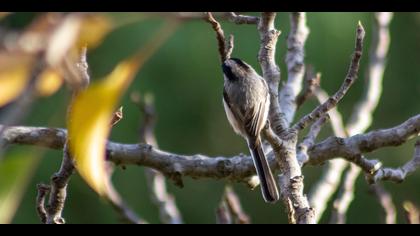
[{"x": 185, "y": 77}]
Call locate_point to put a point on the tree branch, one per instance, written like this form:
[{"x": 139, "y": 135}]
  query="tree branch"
[
  {"x": 309, "y": 140},
  {"x": 399, "y": 174},
  {"x": 311, "y": 84},
  {"x": 385, "y": 200},
  {"x": 271, "y": 72},
  {"x": 225, "y": 47},
  {"x": 327, "y": 185},
  {"x": 361, "y": 117},
  {"x": 241, "y": 19},
  {"x": 230, "y": 209},
  {"x": 412, "y": 213},
  {"x": 349, "y": 80},
  {"x": 232, "y": 168},
  {"x": 295, "y": 64},
  {"x": 169, "y": 213}
]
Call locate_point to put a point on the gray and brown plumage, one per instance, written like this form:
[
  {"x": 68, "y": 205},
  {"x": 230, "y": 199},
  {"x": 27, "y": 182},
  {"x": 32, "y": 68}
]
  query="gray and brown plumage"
[{"x": 246, "y": 100}]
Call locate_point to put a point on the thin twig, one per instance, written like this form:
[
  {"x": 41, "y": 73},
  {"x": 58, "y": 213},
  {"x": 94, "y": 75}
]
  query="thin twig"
[
  {"x": 169, "y": 213},
  {"x": 126, "y": 213},
  {"x": 361, "y": 117},
  {"x": 412, "y": 213},
  {"x": 349, "y": 80},
  {"x": 309, "y": 140},
  {"x": 241, "y": 19},
  {"x": 225, "y": 47},
  {"x": 234, "y": 206},
  {"x": 310, "y": 85},
  {"x": 327, "y": 185},
  {"x": 385, "y": 200},
  {"x": 222, "y": 214},
  {"x": 60, "y": 179},
  {"x": 399, "y": 174},
  {"x": 43, "y": 191}
]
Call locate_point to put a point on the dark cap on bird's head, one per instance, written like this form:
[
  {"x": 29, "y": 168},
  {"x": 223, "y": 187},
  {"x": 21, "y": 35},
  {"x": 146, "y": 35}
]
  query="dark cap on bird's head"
[{"x": 233, "y": 68}]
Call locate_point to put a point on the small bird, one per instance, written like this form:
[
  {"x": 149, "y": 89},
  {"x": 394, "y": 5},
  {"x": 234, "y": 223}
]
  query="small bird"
[{"x": 247, "y": 101}]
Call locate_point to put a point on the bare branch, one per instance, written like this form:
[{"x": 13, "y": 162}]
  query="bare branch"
[
  {"x": 59, "y": 180},
  {"x": 327, "y": 185},
  {"x": 349, "y": 80},
  {"x": 271, "y": 71},
  {"x": 225, "y": 47},
  {"x": 222, "y": 214},
  {"x": 412, "y": 213},
  {"x": 169, "y": 213},
  {"x": 121, "y": 207},
  {"x": 43, "y": 191},
  {"x": 385, "y": 200},
  {"x": 242, "y": 19},
  {"x": 309, "y": 140},
  {"x": 398, "y": 174},
  {"x": 346, "y": 195},
  {"x": 58, "y": 193},
  {"x": 295, "y": 64},
  {"x": 233, "y": 168},
  {"x": 362, "y": 114},
  {"x": 364, "y": 143},
  {"x": 311, "y": 83},
  {"x": 230, "y": 208}
]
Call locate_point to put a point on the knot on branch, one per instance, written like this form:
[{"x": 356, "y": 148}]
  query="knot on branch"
[
  {"x": 225, "y": 167},
  {"x": 296, "y": 182}
]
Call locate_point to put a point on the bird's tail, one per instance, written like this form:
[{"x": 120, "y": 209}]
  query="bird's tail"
[{"x": 268, "y": 184}]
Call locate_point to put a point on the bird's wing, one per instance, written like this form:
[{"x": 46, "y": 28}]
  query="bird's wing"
[
  {"x": 235, "y": 117},
  {"x": 256, "y": 120}
]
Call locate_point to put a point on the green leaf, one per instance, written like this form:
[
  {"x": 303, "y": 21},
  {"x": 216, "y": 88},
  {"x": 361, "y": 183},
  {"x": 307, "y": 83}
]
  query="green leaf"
[{"x": 15, "y": 173}]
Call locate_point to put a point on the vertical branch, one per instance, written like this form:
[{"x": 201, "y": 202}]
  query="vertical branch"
[
  {"x": 271, "y": 71},
  {"x": 295, "y": 64},
  {"x": 361, "y": 117},
  {"x": 225, "y": 46},
  {"x": 385, "y": 200},
  {"x": 169, "y": 213},
  {"x": 291, "y": 179},
  {"x": 230, "y": 210},
  {"x": 59, "y": 180},
  {"x": 412, "y": 213},
  {"x": 360, "y": 121},
  {"x": 327, "y": 185},
  {"x": 126, "y": 213}
]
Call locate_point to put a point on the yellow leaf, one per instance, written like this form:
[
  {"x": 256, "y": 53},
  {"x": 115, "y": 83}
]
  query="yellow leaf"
[
  {"x": 92, "y": 110},
  {"x": 93, "y": 29},
  {"x": 89, "y": 123},
  {"x": 48, "y": 82},
  {"x": 14, "y": 76}
]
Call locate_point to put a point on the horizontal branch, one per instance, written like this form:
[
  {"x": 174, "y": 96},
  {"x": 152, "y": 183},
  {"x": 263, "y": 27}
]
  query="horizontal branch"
[
  {"x": 364, "y": 143},
  {"x": 235, "y": 168},
  {"x": 399, "y": 174}
]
